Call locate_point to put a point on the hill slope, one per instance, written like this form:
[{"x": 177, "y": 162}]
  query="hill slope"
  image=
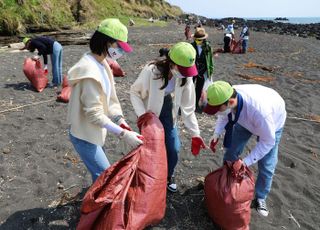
[{"x": 18, "y": 16}]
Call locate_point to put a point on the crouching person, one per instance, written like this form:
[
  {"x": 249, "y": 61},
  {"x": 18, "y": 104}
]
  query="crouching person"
[{"x": 243, "y": 111}]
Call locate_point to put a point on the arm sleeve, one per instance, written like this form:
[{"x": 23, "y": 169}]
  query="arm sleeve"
[
  {"x": 187, "y": 110},
  {"x": 42, "y": 50},
  {"x": 140, "y": 91},
  {"x": 266, "y": 131},
  {"x": 220, "y": 124}
]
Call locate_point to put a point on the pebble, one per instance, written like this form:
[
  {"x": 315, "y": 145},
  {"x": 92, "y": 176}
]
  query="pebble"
[{"x": 6, "y": 150}]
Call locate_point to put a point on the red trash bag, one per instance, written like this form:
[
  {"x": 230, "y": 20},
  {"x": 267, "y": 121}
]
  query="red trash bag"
[
  {"x": 33, "y": 70},
  {"x": 229, "y": 191},
  {"x": 115, "y": 67},
  {"x": 130, "y": 194},
  {"x": 65, "y": 93},
  {"x": 236, "y": 47}
]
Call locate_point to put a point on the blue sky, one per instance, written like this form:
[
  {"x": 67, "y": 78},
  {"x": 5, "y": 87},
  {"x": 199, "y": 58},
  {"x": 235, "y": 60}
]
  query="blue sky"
[{"x": 250, "y": 8}]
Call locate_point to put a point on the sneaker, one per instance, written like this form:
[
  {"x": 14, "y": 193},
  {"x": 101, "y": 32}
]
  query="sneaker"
[
  {"x": 171, "y": 184},
  {"x": 262, "y": 207}
]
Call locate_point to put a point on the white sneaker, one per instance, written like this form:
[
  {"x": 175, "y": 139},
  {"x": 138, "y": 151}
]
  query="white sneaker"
[
  {"x": 262, "y": 207},
  {"x": 171, "y": 184}
]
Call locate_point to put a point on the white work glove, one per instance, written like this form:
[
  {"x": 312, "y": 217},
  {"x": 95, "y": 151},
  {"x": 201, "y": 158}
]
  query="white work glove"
[
  {"x": 133, "y": 139},
  {"x": 35, "y": 57},
  {"x": 45, "y": 67}
]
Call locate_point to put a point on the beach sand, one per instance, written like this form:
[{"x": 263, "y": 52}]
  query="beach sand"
[{"x": 39, "y": 170}]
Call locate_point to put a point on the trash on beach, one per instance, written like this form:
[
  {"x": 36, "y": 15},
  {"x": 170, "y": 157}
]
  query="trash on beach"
[
  {"x": 256, "y": 77},
  {"x": 251, "y": 49}
]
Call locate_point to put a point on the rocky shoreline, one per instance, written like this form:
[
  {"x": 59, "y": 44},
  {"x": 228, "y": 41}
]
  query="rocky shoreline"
[{"x": 269, "y": 26}]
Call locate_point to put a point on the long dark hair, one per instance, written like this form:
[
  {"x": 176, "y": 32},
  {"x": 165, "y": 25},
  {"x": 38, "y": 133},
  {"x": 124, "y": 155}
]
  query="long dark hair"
[
  {"x": 99, "y": 43},
  {"x": 163, "y": 65}
]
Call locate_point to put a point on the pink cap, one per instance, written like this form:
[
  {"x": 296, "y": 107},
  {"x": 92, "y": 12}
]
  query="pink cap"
[
  {"x": 125, "y": 46},
  {"x": 188, "y": 71}
]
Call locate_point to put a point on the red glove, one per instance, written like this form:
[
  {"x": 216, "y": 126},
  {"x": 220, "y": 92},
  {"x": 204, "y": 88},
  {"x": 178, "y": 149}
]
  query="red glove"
[
  {"x": 46, "y": 71},
  {"x": 213, "y": 144},
  {"x": 124, "y": 125},
  {"x": 197, "y": 143}
]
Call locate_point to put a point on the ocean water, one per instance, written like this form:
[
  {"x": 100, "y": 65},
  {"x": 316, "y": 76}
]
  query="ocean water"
[{"x": 292, "y": 20}]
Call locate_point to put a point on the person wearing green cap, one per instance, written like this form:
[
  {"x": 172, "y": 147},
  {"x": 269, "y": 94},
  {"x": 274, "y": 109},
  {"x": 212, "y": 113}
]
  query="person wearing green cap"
[
  {"x": 153, "y": 90},
  {"x": 47, "y": 46},
  {"x": 243, "y": 111},
  {"x": 94, "y": 108}
]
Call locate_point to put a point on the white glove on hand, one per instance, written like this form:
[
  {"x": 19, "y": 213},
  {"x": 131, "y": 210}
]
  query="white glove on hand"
[
  {"x": 45, "y": 67},
  {"x": 131, "y": 138}
]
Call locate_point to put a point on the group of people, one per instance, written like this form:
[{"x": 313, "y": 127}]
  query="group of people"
[
  {"x": 229, "y": 37},
  {"x": 170, "y": 88}
]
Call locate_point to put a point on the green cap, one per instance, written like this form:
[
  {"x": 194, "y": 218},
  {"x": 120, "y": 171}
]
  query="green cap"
[
  {"x": 183, "y": 54},
  {"x": 219, "y": 92},
  {"x": 114, "y": 28},
  {"x": 25, "y": 40}
]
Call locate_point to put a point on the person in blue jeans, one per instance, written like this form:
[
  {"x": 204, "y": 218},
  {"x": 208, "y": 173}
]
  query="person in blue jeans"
[
  {"x": 94, "y": 108},
  {"x": 47, "y": 46},
  {"x": 243, "y": 111},
  {"x": 164, "y": 87},
  {"x": 244, "y": 37}
]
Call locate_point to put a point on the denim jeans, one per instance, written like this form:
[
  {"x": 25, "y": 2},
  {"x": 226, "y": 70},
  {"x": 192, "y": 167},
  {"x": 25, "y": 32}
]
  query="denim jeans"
[
  {"x": 266, "y": 165},
  {"x": 92, "y": 156},
  {"x": 171, "y": 134},
  {"x": 56, "y": 60},
  {"x": 244, "y": 46}
]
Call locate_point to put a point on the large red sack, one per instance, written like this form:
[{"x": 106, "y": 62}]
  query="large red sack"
[
  {"x": 229, "y": 191},
  {"x": 130, "y": 194},
  {"x": 65, "y": 93},
  {"x": 236, "y": 47},
  {"x": 35, "y": 73},
  {"x": 115, "y": 67}
]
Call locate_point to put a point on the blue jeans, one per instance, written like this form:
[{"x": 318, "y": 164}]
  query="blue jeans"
[
  {"x": 244, "y": 46},
  {"x": 266, "y": 165},
  {"x": 56, "y": 60},
  {"x": 171, "y": 134},
  {"x": 92, "y": 156}
]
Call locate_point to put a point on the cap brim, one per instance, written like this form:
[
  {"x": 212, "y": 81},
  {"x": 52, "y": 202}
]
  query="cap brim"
[
  {"x": 211, "y": 110},
  {"x": 188, "y": 71},
  {"x": 125, "y": 46}
]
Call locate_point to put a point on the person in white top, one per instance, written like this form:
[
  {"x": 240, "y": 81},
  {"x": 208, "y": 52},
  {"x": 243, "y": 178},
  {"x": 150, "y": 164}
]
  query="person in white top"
[
  {"x": 243, "y": 111},
  {"x": 164, "y": 87},
  {"x": 94, "y": 107},
  {"x": 228, "y": 36},
  {"x": 244, "y": 37}
]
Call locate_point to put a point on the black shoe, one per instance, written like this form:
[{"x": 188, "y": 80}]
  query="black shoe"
[{"x": 171, "y": 184}]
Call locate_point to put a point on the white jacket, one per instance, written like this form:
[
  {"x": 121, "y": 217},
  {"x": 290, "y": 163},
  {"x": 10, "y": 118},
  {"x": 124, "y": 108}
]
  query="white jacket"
[
  {"x": 89, "y": 107},
  {"x": 145, "y": 95},
  {"x": 263, "y": 114}
]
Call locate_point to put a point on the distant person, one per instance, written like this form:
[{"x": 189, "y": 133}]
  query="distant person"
[
  {"x": 204, "y": 62},
  {"x": 94, "y": 108},
  {"x": 244, "y": 111},
  {"x": 244, "y": 37},
  {"x": 47, "y": 46},
  {"x": 187, "y": 32},
  {"x": 228, "y": 36},
  {"x": 164, "y": 87},
  {"x": 131, "y": 22}
]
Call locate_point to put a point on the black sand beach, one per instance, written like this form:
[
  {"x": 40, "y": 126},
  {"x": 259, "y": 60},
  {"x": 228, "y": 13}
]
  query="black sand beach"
[{"x": 42, "y": 178}]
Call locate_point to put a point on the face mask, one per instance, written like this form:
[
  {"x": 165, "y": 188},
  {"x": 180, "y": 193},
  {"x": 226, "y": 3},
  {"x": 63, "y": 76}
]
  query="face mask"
[
  {"x": 224, "y": 113},
  {"x": 176, "y": 74},
  {"x": 115, "y": 53},
  {"x": 198, "y": 42}
]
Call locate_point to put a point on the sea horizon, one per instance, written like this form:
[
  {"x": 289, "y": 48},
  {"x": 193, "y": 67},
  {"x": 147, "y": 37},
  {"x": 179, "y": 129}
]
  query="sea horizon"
[{"x": 291, "y": 20}]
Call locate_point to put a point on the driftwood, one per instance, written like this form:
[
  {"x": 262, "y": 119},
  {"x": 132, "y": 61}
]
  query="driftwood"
[
  {"x": 22, "y": 106},
  {"x": 255, "y": 65},
  {"x": 255, "y": 77}
]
